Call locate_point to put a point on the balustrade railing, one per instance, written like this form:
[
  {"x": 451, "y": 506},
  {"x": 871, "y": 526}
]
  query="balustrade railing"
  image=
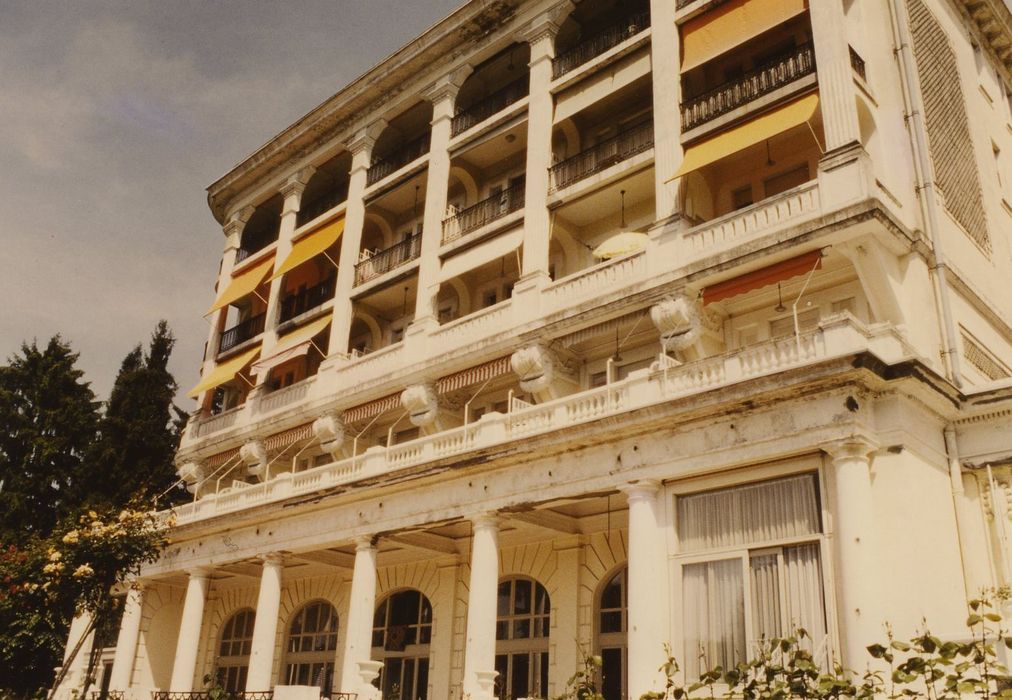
[
  {"x": 484, "y": 212},
  {"x": 599, "y": 43},
  {"x": 763, "y": 80},
  {"x": 388, "y": 259},
  {"x": 212, "y": 695},
  {"x": 605, "y": 154},
  {"x": 106, "y": 695},
  {"x": 489, "y": 105},
  {"x": 391, "y": 162},
  {"x": 241, "y": 332},
  {"x": 305, "y": 299}
]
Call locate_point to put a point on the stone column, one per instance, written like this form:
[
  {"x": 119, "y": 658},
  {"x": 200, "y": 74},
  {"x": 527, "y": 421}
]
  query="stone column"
[
  {"x": 265, "y": 625},
  {"x": 666, "y": 76},
  {"x": 351, "y": 240},
  {"x": 443, "y": 96},
  {"x": 648, "y": 587},
  {"x": 853, "y": 535},
  {"x": 479, "y": 650},
  {"x": 292, "y": 192},
  {"x": 126, "y": 642},
  {"x": 185, "y": 663},
  {"x": 361, "y": 607},
  {"x": 73, "y": 681},
  {"x": 540, "y": 112},
  {"x": 836, "y": 79}
]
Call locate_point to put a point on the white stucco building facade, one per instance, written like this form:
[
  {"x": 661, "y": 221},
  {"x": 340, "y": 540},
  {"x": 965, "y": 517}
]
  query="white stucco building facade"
[{"x": 596, "y": 327}]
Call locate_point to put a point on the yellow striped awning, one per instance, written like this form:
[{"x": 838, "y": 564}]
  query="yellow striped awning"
[
  {"x": 224, "y": 372},
  {"x": 292, "y": 345},
  {"x": 748, "y": 134},
  {"x": 311, "y": 245},
  {"x": 732, "y": 24},
  {"x": 243, "y": 283}
]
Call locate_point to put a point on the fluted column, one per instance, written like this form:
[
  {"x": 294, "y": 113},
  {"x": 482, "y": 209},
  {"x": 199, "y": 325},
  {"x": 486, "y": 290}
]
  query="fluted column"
[
  {"x": 665, "y": 73},
  {"x": 126, "y": 641},
  {"x": 479, "y": 652},
  {"x": 540, "y": 112},
  {"x": 185, "y": 664},
  {"x": 265, "y": 625},
  {"x": 648, "y": 587},
  {"x": 857, "y": 567},
  {"x": 351, "y": 240},
  {"x": 837, "y": 95},
  {"x": 361, "y": 607},
  {"x": 443, "y": 96}
]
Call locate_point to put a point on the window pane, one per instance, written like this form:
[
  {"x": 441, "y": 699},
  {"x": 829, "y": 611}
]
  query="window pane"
[
  {"x": 502, "y": 630},
  {"x": 404, "y": 608},
  {"x": 611, "y": 674},
  {"x": 611, "y": 597},
  {"x": 766, "y": 618},
  {"x": 748, "y": 514},
  {"x": 522, "y": 600},
  {"x": 521, "y": 629},
  {"x": 503, "y": 599},
  {"x": 502, "y": 667},
  {"x": 422, "y": 686},
  {"x": 520, "y": 676},
  {"x": 611, "y": 622},
  {"x": 713, "y": 608}
]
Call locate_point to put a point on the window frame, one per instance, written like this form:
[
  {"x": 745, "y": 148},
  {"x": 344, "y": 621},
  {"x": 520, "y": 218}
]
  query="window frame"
[
  {"x": 415, "y": 652},
  {"x": 536, "y": 647},
  {"x": 293, "y": 661},
  {"x": 223, "y": 662},
  {"x": 613, "y": 640}
]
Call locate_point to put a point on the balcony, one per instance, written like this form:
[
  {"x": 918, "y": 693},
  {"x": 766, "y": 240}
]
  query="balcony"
[
  {"x": 837, "y": 337},
  {"x": 321, "y": 205},
  {"x": 241, "y": 332},
  {"x": 763, "y": 80},
  {"x": 605, "y": 154},
  {"x": 596, "y": 45},
  {"x": 397, "y": 159},
  {"x": 388, "y": 259},
  {"x": 489, "y": 105},
  {"x": 306, "y": 299},
  {"x": 484, "y": 212}
]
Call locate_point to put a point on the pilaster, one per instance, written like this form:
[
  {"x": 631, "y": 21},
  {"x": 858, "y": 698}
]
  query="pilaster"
[
  {"x": 665, "y": 73},
  {"x": 837, "y": 96}
]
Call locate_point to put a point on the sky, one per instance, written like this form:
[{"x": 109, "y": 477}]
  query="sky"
[{"x": 115, "y": 117}]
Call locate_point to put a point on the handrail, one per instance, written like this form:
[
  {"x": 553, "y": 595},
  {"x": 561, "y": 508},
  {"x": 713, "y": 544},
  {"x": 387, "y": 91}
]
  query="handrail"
[
  {"x": 784, "y": 69},
  {"x": 593, "y": 160},
  {"x": 309, "y": 298},
  {"x": 241, "y": 332},
  {"x": 486, "y": 211},
  {"x": 491, "y": 104},
  {"x": 397, "y": 159},
  {"x": 388, "y": 259},
  {"x": 599, "y": 43}
]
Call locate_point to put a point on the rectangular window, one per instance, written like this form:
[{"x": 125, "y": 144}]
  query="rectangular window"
[
  {"x": 750, "y": 570},
  {"x": 784, "y": 327}
]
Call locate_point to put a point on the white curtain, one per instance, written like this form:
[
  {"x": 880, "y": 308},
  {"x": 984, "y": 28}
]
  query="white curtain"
[
  {"x": 766, "y": 613},
  {"x": 805, "y": 603},
  {"x": 713, "y": 606},
  {"x": 762, "y": 512}
]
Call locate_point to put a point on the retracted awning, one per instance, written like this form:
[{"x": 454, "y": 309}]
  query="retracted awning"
[
  {"x": 731, "y": 24},
  {"x": 781, "y": 271},
  {"x": 480, "y": 254},
  {"x": 748, "y": 134},
  {"x": 292, "y": 345},
  {"x": 243, "y": 283},
  {"x": 311, "y": 245},
  {"x": 224, "y": 372}
]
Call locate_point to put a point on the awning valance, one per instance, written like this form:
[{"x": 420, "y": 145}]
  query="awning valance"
[
  {"x": 488, "y": 251},
  {"x": 224, "y": 372},
  {"x": 731, "y": 24},
  {"x": 311, "y": 245},
  {"x": 748, "y": 134},
  {"x": 779, "y": 272},
  {"x": 292, "y": 345},
  {"x": 244, "y": 283}
]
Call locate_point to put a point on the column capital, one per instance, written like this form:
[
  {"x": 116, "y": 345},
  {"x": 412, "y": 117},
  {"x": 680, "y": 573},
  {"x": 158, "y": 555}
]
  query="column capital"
[
  {"x": 199, "y": 573},
  {"x": 272, "y": 559},
  {"x": 546, "y": 25},
  {"x": 365, "y": 138},
  {"x": 853, "y": 447},
  {"x": 447, "y": 86},
  {"x": 365, "y": 543},
  {"x": 296, "y": 183},
  {"x": 486, "y": 521},
  {"x": 237, "y": 220},
  {"x": 641, "y": 490}
]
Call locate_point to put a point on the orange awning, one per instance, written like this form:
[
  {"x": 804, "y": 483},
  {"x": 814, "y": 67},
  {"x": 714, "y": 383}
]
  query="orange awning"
[
  {"x": 225, "y": 372},
  {"x": 793, "y": 267},
  {"x": 244, "y": 283},
  {"x": 732, "y": 24},
  {"x": 311, "y": 245}
]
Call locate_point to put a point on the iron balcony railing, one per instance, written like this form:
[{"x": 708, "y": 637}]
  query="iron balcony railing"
[
  {"x": 781, "y": 71},
  {"x": 305, "y": 299},
  {"x": 489, "y": 105},
  {"x": 605, "y": 154},
  {"x": 106, "y": 695},
  {"x": 388, "y": 259},
  {"x": 241, "y": 332},
  {"x": 599, "y": 43},
  {"x": 412, "y": 150},
  {"x": 857, "y": 63},
  {"x": 484, "y": 212},
  {"x": 323, "y": 203},
  {"x": 255, "y": 242}
]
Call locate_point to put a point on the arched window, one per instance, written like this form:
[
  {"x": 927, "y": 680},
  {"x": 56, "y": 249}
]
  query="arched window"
[
  {"x": 521, "y": 633},
  {"x": 402, "y": 631},
  {"x": 612, "y": 617},
  {"x": 312, "y": 646},
  {"x": 233, "y": 651}
]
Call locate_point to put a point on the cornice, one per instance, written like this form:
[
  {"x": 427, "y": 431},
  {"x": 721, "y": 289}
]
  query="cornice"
[{"x": 992, "y": 20}]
